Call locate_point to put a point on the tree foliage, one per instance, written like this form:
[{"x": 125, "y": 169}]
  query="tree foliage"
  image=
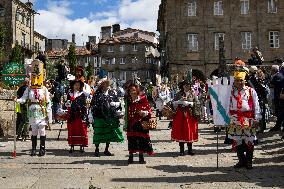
[
  {"x": 90, "y": 71},
  {"x": 17, "y": 54},
  {"x": 2, "y": 40},
  {"x": 51, "y": 72},
  {"x": 72, "y": 59}
]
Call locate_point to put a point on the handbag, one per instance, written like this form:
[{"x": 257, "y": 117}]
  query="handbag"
[{"x": 150, "y": 124}]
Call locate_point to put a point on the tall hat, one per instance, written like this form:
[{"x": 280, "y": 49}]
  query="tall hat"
[
  {"x": 240, "y": 75},
  {"x": 37, "y": 74}
]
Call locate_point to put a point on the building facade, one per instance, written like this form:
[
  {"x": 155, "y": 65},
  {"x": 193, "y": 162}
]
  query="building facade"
[
  {"x": 18, "y": 20},
  {"x": 127, "y": 52},
  {"x": 190, "y": 32}
]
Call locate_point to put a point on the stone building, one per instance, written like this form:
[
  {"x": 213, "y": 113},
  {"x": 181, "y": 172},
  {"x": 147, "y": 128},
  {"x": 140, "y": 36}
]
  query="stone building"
[
  {"x": 39, "y": 42},
  {"x": 127, "y": 52},
  {"x": 56, "y": 44},
  {"x": 190, "y": 31},
  {"x": 18, "y": 19}
]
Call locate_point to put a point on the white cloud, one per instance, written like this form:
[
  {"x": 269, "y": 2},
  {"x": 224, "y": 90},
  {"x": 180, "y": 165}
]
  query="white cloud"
[{"x": 55, "y": 22}]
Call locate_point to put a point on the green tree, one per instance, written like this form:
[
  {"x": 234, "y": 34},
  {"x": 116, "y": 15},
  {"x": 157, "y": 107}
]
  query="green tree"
[
  {"x": 50, "y": 71},
  {"x": 2, "y": 40},
  {"x": 17, "y": 54},
  {"x": 90, "y": 71},
  {"x": 72, "y": 59}
]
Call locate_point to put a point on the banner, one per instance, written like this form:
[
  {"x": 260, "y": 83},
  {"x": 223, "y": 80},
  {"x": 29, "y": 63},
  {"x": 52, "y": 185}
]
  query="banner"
[{"x": 220, "y": 92}]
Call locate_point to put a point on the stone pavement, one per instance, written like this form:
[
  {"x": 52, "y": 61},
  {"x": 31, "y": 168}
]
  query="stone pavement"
[{"x": 59, "y": 169}]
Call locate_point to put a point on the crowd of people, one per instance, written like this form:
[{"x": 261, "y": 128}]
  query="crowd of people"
[{"x": 101, "y": 102}]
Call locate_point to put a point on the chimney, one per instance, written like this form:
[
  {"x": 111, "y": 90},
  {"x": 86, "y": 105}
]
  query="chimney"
[
  {"x": 105, "y": 32},
  {"x": 93, "y": 39},
  {"x": 115, "y": 28},
  {"x": 73, "y": 38},
  {"x": 29, "y": 4}
]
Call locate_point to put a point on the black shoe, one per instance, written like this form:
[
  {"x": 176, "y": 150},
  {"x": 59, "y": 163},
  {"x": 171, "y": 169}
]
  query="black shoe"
[
  {"x": 130, "y": 159},
  {"x": 181, "y": 147},
  {"x": 107, "y": 153},
  {"x": 82, "y": 150},
  {"x": 190, "y": 152},
  {"x": 71, "y": 150},
  {"x": 141, "y": 159},
  {"x": 42, "y": 146},
  {"x": 282, "y": 138},
  {"x": 249, "y": 156},
  {"x": 34, "y": 144},
  {"x": 239, "y": 165},
  {"x": 97, "y": 153}
]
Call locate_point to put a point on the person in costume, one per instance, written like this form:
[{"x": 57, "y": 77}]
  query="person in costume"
[
  {"x": 185, "y": 122},
  {"x": 22, "y": 114},
  {"x": 106, "y": 112},
  {"x": 80, "y": 76},
  {"x": 245, "y": 113},
  {"x": 38, "y": 98},
  {"x": 138, "y": 109},
  {"x": 77, "y": 116},
  {"x": 162, "y": 99}
]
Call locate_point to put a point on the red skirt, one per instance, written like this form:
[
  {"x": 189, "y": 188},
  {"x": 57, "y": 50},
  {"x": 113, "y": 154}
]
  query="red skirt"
[
  {"x": 77, "y": 133},
  {"x": 185, "y": 127}
]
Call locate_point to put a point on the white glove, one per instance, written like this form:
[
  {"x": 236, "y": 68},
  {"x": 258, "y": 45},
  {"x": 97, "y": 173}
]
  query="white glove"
[
  {"x": 68, "y": 104},
  {"x": 115, "y": 104},
  {"x": 186, "y": 103},
  {"x": 144, "y": 113},
  {"x": 90, "y": 117}
]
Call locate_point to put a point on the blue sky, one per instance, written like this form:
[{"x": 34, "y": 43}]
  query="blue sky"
[{"x": 61, "y": 18}]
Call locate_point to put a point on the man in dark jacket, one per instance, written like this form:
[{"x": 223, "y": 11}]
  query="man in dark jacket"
[
  {"x": 278, "y": 84},
  {"x": 56, "y": 100},
  {"x": 61, "y": 71}
]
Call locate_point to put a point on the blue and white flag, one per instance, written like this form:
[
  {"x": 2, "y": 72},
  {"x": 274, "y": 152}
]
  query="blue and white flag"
[{"x": 220, "y": 93}]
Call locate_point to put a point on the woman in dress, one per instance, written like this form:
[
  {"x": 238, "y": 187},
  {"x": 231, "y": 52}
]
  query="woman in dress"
[
  {"x": 137, "y": 110},
  {"x": 185, "y": 122},
  {"x": 106, "y": 111},
  {"x": 77, "y": 119}
]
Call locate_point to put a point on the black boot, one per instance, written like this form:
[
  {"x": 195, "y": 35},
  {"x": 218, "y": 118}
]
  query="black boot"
[
  {"x": 42, "y": 146},
  {"x": 181, "y": 146},
  {"x": 34, "y": 144},
  {"x": 241, "y": 157},
  {"x": 189, "y": 145},
  {"x": 130, "y": 159},
  {"x": 82, "y": 150},
  {"x": 107, "y": 153},
  {"x": 141, "y": 159},
  {"x": 97, "y": 151},
  {"x": 71, "y": 149},
  {"x": 249, "y": 157}
]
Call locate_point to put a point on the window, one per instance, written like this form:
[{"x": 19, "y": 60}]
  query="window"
[
  {"x": 28, "y": 21},
  {"x": 36, "y": 46},
  {"x": 149, "y": 60},
  {"x": 135, "y": 47},
  {"x": 122, "y": 75},
  {"x": 122, "y": 48},
  {"x": 274, "y": 39},
  {"x": 192, "y": 42},
  {"x": 244, "y": 6},
  {"x": 104, "y": 61},
  {"x": 147, "y": 48},
  {"x": 148, "y": 75},
  {"x": 192, "y": 8},
  {"x": 218, "y": 8},
  {"x": 272, "y": 7},
  {"x": 246, "y": 40},
  {"x": 122, "y": 60},
  {"x": 2, "y": 11},
  {"x": 18, "y": 15},
  {"x": 23, "y": 19},
  {"x": 217, "y": 36},
  {"x": 111, "y": 61},
  {"x": 23, "y": 40},
  {"x": 110, "y": 75},
  {"x": 110, "y": 48}
]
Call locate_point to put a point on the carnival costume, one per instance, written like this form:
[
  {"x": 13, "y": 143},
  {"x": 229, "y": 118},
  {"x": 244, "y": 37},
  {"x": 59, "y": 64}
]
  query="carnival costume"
[
  {"x": 38, "y": 99},
  {"x": 244, "y": 113},
  {"x": 77, "y": 118},
  {"x": 185, "y": 122},
  {"x": 106, "y": 112},
  {"x": 138, "y": 139}
]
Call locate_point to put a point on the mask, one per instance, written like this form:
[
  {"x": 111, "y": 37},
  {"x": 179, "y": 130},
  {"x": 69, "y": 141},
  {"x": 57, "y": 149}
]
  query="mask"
[{"x": 37, "y": 75}]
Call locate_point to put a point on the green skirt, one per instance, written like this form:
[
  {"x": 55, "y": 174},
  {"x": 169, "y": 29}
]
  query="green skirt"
[{"x": 106, "y": 131}]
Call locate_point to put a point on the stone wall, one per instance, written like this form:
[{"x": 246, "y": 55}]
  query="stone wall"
[{"x": 7, "y": 113}]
